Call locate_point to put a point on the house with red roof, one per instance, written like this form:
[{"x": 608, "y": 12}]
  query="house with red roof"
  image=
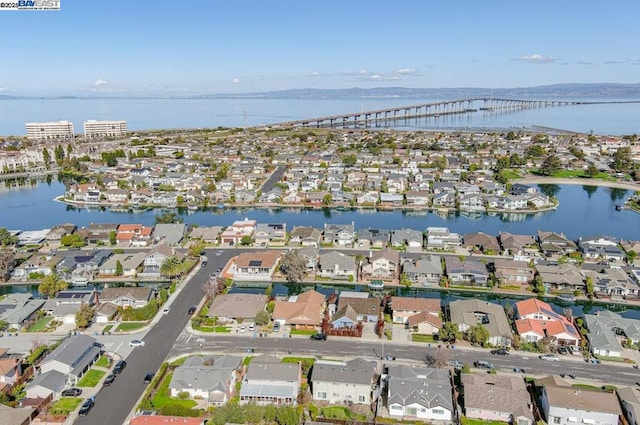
[
  {"x": 133, "y": 235},
  {"x": 537, "y": 320}
]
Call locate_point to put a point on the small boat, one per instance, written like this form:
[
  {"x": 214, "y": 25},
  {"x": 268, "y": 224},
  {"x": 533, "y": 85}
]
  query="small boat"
[
  {"x": 567, "y": 298},
  {"x": 376, "y": 284},
  {"x": 618, "y": 207}
]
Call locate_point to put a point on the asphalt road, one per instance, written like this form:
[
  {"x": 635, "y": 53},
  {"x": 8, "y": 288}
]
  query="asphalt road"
[{"x": 114, "y": 403}]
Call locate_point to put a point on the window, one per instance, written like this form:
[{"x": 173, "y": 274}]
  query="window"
[
  {"x": 557, "y": 420},
  {"x": 362, "y": 399},
  {"x": 438, "y": 411},
  {"x": 322, "y": 395},
  {"x": 523, "y": 422},
  {"x": 411, "y": 411}
]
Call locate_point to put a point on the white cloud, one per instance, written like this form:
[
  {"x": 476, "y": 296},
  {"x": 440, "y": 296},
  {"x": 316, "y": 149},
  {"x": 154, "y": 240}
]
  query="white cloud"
[
  {"x": 235, "y": 81},
  {"x": 377, "y": 77},
  {"x": 4, "y": 89},
  {"x": 539, "y": 59},
  {"x": 407, "y": 71},
  {"x": 100, "y": 82}
]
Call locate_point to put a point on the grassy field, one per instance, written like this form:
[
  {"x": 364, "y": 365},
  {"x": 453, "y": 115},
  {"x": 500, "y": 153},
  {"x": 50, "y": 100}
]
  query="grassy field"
[
  {"x": 163, "y": 398},
  {"x": 40, "y": 325},
  {"x": 130, "y": 326},
  {"x": 65, "y": 405},
  {"x": 91, "y": 378},
  {"x": 103, "y": 361}
]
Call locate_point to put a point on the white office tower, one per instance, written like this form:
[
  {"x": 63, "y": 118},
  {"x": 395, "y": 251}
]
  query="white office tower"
[
  {"x": 49, "y": 130},
  {"x": 93, "y": 128}
]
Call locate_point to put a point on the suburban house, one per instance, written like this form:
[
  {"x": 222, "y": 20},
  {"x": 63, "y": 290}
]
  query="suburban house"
[
  {"x": 630, "y": 401},
  {"x": 512, "y": 272},
  {"x": 73, "y": 357},
  {"x": 355, "y": 381},
  {"x": 10, "y": 370},
  {"x": 269, "y": 381},
  {"x": 383, "y": 264},
  {"x": 339, "y": 234},
  {"x": 229, "y": 307},
  {"x": 563, "y": 404},
  {"x": 517, "y": 243},
  {"x": 563, "y": 277},
  {"x": 405, "y": 307},
  {"x": 214, "y": 383},
  {"x": 17, "y": 415},
  {"x": 207, "y": 234},
  {"x": 133, "y": 235},
  {"x": 441, "y": 238},
  {"x": 373, "y": 238},
  {"x": 300, "y": 311},
  {"x": 233, "y": 234},
  {"x": 255, "y": 266},
  {"x": 336, "y": 265},
  {"x": 101, "y": 232},
  {"x": 366, "y": 309},
  {"x": 127, "y": 297},
  {"x": 270, "y": 234},
  {"x": 497, "y": 398},
  {"x": 607, "y": 330},
  {"x": 305, "y": 236},
  {"x": 66, "y": 304},
  {"x": 129, "y": 262},
  {"x": 468, "y": 272},
  {"x": 469, "y": 313},
  {"x": 425, "y": 270},
  {"x": 600, "y": 248},
  {"x": 46, "y": 384},
  {"x": 154, "y": 259},
  {"x": 419, "y": 393},
  {"x": 169, "y": 233},
  {"x": 16, "y": 309},
  {"x": 537, "y": 320},
  {"x": 612, "y": 282},
  {"x": 554, "y": 244},
  {"x": 481, "y": 241},
  {"x": 310, "y": 256},
  {"x": 410, "y": 239}
]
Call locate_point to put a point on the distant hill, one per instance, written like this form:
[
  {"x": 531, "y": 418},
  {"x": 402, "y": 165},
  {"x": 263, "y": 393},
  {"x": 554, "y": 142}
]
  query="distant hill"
[{"x": 556, "y": 90}]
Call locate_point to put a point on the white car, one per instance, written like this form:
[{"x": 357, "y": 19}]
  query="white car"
[
  {"x": 549, "y": 357},
  {"x": 166, "y": 310},
  {"x": 252, "y": 327},
  {"x": 242, "y": 328},
  {"x": 136, "y": 343}
]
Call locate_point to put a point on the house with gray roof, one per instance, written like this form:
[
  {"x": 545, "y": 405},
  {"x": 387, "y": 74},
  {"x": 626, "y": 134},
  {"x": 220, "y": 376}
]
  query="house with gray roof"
[
  {"x": 613, "y": 282},
  {"x": 339, "y": 234},
  {"x": 425, "y": 270},
  {"x": 66, "y": 304},
  {"x": 607, "y": 329},
  {"x": 630, "y": 401},
  {"x": 269, "y": 381},
  {"x": 354, "y": 381},
  {"x": 73, "y": 357},
  {"x": 563, "y": 277},
  {"x": 229, "y": 307},
  {"x": 469, "y": 313},
  {"x": 16, "y": 309},
  {"x": 169, "y": 233},
  {"x": 305, "y": 236},
  {"x": 410, "y": 238},
  {"x": 383, "y": 264},
  {"x": 214, "y": 383},
  {"x": 467, "y": 272},
  {"x": 127, "y": 297},
  {"x": 600, "y": 247},
  {"x": 208, "y": 234},
  {"x": 17, "y": 415},
  {"x": 497, "y": 398},
  {"x": 336, "y": 265},
  {"x": 373, "y": 238},
  {"x": 46, "y": 384},
  {"x": 419, "y": 393}
]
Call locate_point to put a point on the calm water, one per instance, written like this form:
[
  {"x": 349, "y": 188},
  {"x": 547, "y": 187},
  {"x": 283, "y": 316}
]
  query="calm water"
[
  {"x": 197, "y": 113},
  {"x": 583, "y": 211}
]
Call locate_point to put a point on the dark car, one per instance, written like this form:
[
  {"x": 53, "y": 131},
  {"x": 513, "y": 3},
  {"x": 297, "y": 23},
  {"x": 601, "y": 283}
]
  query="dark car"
[
  {"x": 203, "y": 264},
  {"x": 108, "y": 380},
  {"x": 86, "y": 407},
  {"x": 71, "y": 392},
  {"x": 481, "y": 364},
  {"x": 500, "y": 352},
  {"x": 148, "y": 377},
  {"x": 119, "y": 367},
  {"x": 318, "y": 337},
  {"x": 192, "y": 310}
]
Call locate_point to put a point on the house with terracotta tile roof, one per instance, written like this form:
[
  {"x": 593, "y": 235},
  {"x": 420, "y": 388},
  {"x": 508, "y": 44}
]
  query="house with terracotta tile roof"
[
  {"x": 255, "y": 266},
  {"x": 537, "y": 320},
  {"x": 301, "y": 311},
  {"x": 133, "y": 235},
  {"x": 165, "y": 420}
]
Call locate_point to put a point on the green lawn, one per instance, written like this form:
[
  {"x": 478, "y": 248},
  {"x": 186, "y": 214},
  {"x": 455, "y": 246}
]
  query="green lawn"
[
  {"x": 163, "y": 399},
  {"x": 40, "y": 325},
  {"x": 103, "y": 361},
  {"x": 130, "y": 326},
  {"x": 107, "y": 328},
  {"x": 91, "y": 378},
  {"x": 340, "y": 412},
  {"x": 422, "y": 338},
  {"x": 468, "y": 421},
  {"x": 303, "y": 332},
  {"x": 65, "y": 405},
  {"x": 219, "y": 329}
]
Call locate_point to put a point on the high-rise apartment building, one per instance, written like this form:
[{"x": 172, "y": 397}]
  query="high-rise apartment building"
[
  {"x": 49, "y": 130},
  {"x": 93, "y": 128}
]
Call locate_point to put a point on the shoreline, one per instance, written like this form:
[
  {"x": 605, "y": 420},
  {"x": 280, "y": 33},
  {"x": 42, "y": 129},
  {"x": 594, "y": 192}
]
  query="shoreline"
[{"x": 579, "y": 181}]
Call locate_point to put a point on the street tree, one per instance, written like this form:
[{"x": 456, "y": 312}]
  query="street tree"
[
  {"x": 438, "y": 358},
  {"x": 84, "y": 316},
  {"x": 262, "y": 318},
  {"x": 449, "y": 332},
  {"x": 293, "y": 267},
  {"x": 51, "y": 285}
]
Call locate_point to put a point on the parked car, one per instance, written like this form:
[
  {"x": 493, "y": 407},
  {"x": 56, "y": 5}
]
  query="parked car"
[
  {"x": 136, "y": 343},
  {"x": 276, "y": 327},
  {"x": 481, "y": 364},
  {"x": 242, "y": 328},
  {"x": 71, "y": 392},
  {"x": 148, "y": 377},
  {"x": 203, "y": 264},
  {"x": 549, "y": 357},
  {"x": 518, "y": 370},
  {"x": 86, "y": 407},
  {"x": 574, "y": 350},
  {"x": 119, "y": 367},
  {"x": 500, "y": 352},
  {"x": 457, "y": 364},
  {"x": 318, "y": 337},
  {"x": 252, "y": 327},
  {"x": 192, "y": 310},
  {"x": 108, "y": 380},
  {"x": 166, "y": 310},
  {"x": 562, "y": 350}
]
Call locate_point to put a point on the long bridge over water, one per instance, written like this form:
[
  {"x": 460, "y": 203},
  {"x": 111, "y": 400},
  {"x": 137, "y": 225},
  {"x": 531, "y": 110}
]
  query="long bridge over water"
[{"x": 434, "y": 109}]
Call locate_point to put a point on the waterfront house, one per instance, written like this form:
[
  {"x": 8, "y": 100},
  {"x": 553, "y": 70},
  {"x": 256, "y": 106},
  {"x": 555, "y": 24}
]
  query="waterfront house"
[
  {"x": 310, "y": 256},
  {"x": 425, "y": 270},
  {"x": 100, "y": 233},
  {"x": 373, "y": 238},
  {"x": 403, "y": 308},
  {"x": 368, "y": 198},
  {"x": 516, "y": 243},
  {"x": 37, "y": 264},
  {"x": 418, "y": 198},
  {"x": 391, "y": 200},
  {"x": 496, "y": 398},
  {"x": 486, "y": 243},
  {"x": 305, "y": 236},
  {"x": 383, "y": 264},
  {"x": 419, "y": 393},
  {"x": 354, "y": 381},
  {"x": 612, "y": 282},
  {"x": 127, "y": 297},
  {"x": 471, "y": 202},
  {"x": 339, "y": 234},
  {"x": 512, "y": 272},
  {"x": 207, "y": 234},
  {"x": 469, "y": 313},
  {"x": 270, "y": 234},
  {"x": 552, "y": 244},
  {"x": 212, "y": 382},
  {"x": 130, "y": 264},
  {"x": 440, "y": 238},
  {"x": 467, "y": 272},
  {"x": 600, "y": 248},
  {"x": 366, "y": 309},
  {"x": 561, "y": 403},
  {"x": 522, "y": 189},
  {"x": 563, "y": 277},
  {"x": 444, "y": 199},
  {"x": 607, "y": 330},
  {"x": 255, "y": 266},
  {"x": 233, "y": 234},
  {"x": 17, "y": 309},
  {"x": 412, "y": 240},
  {"x": 300, "y": 311},
  {"x": 117, "y": 196},
  {"x": 536, "y": 320},
  {"x": 269, "y": 381},
  {"x": 336, "y": 265},
  {"x": 57, "y": 232},
  {"x": 135, "y": 235},
  {"x": 169, "y": 233},
  {"x": 67, "y": 303},
  {"x": 73, "y": 357},
  {"x": 229, "y": 307}
]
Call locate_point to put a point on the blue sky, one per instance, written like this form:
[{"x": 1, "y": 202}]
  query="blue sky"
[{"x": 189, "y": 47}]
